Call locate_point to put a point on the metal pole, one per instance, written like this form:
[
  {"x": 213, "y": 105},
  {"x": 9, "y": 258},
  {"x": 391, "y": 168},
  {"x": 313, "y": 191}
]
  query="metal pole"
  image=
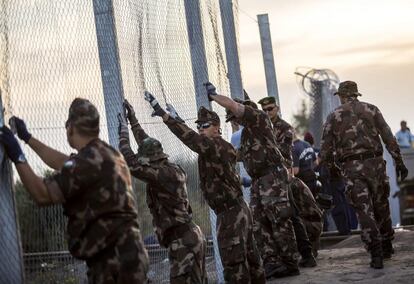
[
  {"x": 11, "y": 260},
  {"x": 197, "y": 51},
  {"x": 268, "y": 59},
  {"x": 232, "y": 51},
  {"x": 110, "y": 67},
  {"x": 200, "y": 76}
]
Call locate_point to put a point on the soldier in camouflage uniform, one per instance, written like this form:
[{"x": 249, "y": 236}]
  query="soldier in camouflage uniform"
[
  {"x": 221, "y": 188},
  {"x": 167, "y": 200},
  {"x": 284, "y": 137},
  {"x": 94, "y": 188},
  {"x": 269, "y": 193},
  {"x": 352, "y": 132}
]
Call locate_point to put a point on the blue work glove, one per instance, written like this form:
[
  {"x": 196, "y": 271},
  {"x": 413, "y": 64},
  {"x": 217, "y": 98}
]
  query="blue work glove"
[
  {"x": 11, "y": 145},
  {"x": 246, "y": 181},
  {"x": 158, "y": 111},
  {"x": 122, "y": 127},
  {"x": 211, "y": 90},
  {"x": 173, "y": 113},
  {"x": 130, "y": 113},
  {"x": 21, "y": 128}
]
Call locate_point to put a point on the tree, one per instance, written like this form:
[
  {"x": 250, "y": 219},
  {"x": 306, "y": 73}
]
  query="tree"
[{"x": 301, "y": 118}]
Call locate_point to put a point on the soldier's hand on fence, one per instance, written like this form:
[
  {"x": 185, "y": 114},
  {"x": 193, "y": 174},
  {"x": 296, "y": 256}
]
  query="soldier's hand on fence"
[
  {"x": 130, "y": 113},
  {"x": 21, "y": 128},
  {"x": 122, "y": 127},
  {"x": 11, "y": 145},
  {"x": 402, "y": 171},
  {"x": 173, "y": 113},
  {"x": 158, "y": 110},
  {"x": 211, "y": 90}
]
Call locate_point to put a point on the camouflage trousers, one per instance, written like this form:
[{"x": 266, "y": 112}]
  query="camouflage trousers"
[
  {"x": 238, "y": 250},
  {"x": 272, "y": 211},
  {"x": 187, "y": 257},
  {"x": 309, "y": 211},
  {"x": 367, "y": 190},
  {"x": 124, "y": 262}
]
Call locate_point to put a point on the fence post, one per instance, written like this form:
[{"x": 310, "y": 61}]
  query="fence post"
[
  {"x": 268, "y": 59},
  {"x": 200, "y": 75},
  {"x": 110, "y": 66},
  {"x": 232, "y": 50},
  {"x": 11, "y": 259}
]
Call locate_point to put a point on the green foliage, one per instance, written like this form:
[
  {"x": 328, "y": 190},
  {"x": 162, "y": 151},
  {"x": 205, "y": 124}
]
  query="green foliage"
[
  {"x": 301, "y": 119},
  {"x": 41, "y": 229}
]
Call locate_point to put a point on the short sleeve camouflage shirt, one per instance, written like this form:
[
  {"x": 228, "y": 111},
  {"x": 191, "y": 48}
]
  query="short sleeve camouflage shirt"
[{"x": 94, "y": 187}]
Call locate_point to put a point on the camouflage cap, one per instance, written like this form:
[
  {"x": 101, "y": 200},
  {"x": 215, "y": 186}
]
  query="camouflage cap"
[
  {"x": 348, "y": 89},
  {"x": 205, "y": 115},
  {"x": 84, "y": 116},
  {"x": 267, "y": 101},
  {"x": 152, "y": 150}
]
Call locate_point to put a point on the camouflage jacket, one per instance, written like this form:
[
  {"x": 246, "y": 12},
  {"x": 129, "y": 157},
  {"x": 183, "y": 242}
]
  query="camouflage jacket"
[
  {"x": 258, "y": 148},
  {"x": 95, "y": 189},
  {"x": 219, "y": 179},
  {"x": 355, "y": 128},
  {"x": 284, "y": 138},
  {"x": 167, "y": 196}
]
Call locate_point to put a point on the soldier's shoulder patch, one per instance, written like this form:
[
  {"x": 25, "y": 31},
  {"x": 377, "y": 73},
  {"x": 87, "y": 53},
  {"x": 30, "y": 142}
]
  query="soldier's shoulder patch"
[{"x": 69, "y": 164}]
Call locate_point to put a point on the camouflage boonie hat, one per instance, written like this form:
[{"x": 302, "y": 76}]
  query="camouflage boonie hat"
[
  {"x": 205, "y": 115},
  {"x": 152, "y": 150},
  {"x": 348, "y": 89},
  {"x": 267, "y": 101},
  {"x": 84, "y": 116}
]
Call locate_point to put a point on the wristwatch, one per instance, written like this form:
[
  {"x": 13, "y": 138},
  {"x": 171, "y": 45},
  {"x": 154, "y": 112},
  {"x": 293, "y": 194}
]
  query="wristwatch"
[{"x": 21, "y": 159}]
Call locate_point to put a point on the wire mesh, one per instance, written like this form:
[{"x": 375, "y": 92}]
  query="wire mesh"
[
  {"x": 50, "y": 55},
  {"x": 319, "y": 85}
]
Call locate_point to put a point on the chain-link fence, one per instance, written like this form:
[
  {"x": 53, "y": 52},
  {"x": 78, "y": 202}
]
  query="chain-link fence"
[{"x": 52, "y": 51}]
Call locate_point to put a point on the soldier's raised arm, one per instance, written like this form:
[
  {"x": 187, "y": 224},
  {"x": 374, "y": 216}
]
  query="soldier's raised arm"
[
  {"x": 51, "y": 157},
  {"x": 137, "y": 130},
  {"x": 193, "y": 140},
  {"x": 138, "y": 166}
]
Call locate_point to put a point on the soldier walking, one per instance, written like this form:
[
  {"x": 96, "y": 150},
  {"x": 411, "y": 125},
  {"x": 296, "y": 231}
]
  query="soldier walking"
[
  {"x": 94, "y": 188},
  {"x": 353, "y": 133},
  {"x": 269, "y": 193},
  {"x": 167, "y": 200},
  {"x": 221, "y": 188}
]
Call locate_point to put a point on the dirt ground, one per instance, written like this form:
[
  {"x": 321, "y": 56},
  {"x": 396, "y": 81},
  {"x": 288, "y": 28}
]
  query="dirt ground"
[{"x": 348, "y": 262}]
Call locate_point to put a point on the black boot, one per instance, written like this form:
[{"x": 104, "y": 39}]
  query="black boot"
[
  {"x": 285, "y": 271},
  {"x": 308, "y": 261},
  {"x": 271, "y": 268},
  {"x": 387, "y": 249},
  {"x": 377, "y": 260}
]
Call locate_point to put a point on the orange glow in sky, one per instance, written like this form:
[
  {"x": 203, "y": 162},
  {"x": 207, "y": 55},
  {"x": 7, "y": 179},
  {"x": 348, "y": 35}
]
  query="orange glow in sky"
[{"x": 370, "y": 42}]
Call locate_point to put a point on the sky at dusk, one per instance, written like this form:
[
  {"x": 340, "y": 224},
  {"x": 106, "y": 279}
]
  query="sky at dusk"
[{"x": 370, "y": 42}]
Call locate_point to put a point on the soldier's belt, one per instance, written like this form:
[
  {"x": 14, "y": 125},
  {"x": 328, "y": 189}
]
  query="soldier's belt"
[
  {"x": 176, "y": 232},
  {"x": 230, "y": 204},
  {"x": 361, "y": 157}
]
